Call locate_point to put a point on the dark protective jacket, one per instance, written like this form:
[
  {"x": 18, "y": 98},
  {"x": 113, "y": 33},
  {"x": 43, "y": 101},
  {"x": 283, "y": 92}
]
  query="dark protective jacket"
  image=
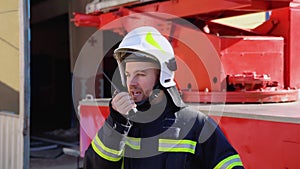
[{"x": 161, "y": 137}]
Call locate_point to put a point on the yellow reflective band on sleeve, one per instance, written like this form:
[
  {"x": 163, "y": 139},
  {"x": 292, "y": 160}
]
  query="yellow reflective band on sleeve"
[
  {"x": 134, "y": 143},
  {"x": 235, "y": 164},
  {"x": 168, "y": 145},
  {"x": 105, "y": 152},
  {"x": 230, "y": 162},
  {"x": 151, "y": 40}
]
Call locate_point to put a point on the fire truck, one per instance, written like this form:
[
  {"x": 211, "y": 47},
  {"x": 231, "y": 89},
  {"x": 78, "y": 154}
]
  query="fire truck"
[{"x": 246, "y": 79}]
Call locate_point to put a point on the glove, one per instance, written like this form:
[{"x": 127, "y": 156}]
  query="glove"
[{"x": 123, "y": 103}]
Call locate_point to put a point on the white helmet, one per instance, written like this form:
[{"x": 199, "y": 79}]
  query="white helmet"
[
  {"x": 150, "y": 42},
  {"x": 146, "y": 42}
]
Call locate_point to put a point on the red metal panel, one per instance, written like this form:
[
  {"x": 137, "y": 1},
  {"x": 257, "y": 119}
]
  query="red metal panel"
[
  {"x": 267, "y": 96},
  {"x": 263, "y": 55},
  {"x": 295, "y": 45},
  {"x": 91, "y": 119},
  {"x": 288, "y": 27},
  {"x": 197, "y": 54},
  {"x": 180, "y": 8},
  {"x": 191, "y": 72},
  {"x": 264, "y": 144},
  {"x": 232, "y": 55}
]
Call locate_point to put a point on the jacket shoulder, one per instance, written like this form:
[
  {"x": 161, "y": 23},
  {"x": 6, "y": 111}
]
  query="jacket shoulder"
[
  {"x": 188, "y": 114},
  {"x": 191, "y": 122}
]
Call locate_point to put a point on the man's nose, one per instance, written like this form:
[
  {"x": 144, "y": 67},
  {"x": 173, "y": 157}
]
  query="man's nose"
[{"x": 133, "y": 81}]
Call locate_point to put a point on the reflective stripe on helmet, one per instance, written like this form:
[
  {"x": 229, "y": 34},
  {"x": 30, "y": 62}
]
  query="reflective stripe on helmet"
[
  {"x": 229, "y": 162},
  {"x": 105, "y": 152},
  {"x": 149, "y": 38},
  {"x": 169, "y": 145}
]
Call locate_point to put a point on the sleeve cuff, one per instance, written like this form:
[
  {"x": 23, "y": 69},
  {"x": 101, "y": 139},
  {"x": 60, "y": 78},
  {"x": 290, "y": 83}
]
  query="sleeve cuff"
[{"x": 118, "y": 122}]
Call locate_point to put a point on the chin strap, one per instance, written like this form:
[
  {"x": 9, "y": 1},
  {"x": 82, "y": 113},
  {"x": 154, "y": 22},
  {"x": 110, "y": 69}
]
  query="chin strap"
[
  {"x": 146, "y": 104},
  {"x": 156, "y": 90}
]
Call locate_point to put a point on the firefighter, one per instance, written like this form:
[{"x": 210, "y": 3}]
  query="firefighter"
[{"x": 164, "y": 133}]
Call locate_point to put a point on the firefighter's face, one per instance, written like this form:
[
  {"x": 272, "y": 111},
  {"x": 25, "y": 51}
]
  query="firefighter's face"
[{"x": 141, "y": 78}]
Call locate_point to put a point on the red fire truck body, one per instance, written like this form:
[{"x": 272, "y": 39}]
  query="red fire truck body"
[{"x": 246, "y": 79}]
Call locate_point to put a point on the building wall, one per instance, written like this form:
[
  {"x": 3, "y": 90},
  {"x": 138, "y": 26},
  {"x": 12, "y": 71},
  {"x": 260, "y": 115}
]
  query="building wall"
[
  {"x": 11, "y": 114},
  {"x": 9, "y": 56},
  {"x": 11, "y": 153}
]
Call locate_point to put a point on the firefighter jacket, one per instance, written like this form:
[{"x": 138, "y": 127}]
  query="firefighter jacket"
[{"x": 175, "y": 138}]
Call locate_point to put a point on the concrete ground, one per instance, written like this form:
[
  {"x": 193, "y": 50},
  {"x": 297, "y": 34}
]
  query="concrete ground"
[
  {"x": 58, "y": 149},
  {"x": 62, "y": 162}
]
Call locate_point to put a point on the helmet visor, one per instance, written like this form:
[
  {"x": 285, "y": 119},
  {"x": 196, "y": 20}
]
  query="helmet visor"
[{"x": 134, "y": 56}]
